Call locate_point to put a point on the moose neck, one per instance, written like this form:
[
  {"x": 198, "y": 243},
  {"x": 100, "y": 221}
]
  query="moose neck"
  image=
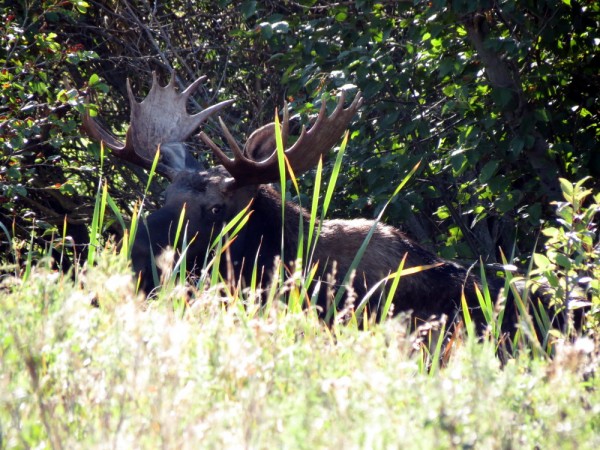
[
  {"x": 267, "y": 210},
  {"x": 260, "y": 240}
]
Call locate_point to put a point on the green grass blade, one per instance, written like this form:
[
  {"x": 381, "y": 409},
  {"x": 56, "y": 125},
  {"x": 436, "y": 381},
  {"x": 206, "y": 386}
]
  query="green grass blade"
[
  {"x": 152, "y": 171},
  {"x": 180, "y": 225},
  {"x": 328, "y": 196},
  {"x": 334, "y": 176},
  {"x": 97, "y": 221},
  {"x": 181, "y": 266},
  {"x": 404, "y": 272},
  {"x": 314, "y": 206},
  {"x": 436, "y": 358},
  {"x": 330, "y": 188},
  {"x": 238, "y": 222},
  {"x": 466, "y": 312},
  {"x": 153, "y": 268},
  {"x": 281, "y": 158},
  {"x": 393, "y": 288},
  {"x": 115, "y": 209},
  {"x": 29, "y": 262},
  {"x": 216, "y": 263},
  {"x": 485, "y": 302},
  {"x": 130, "y": 234}
]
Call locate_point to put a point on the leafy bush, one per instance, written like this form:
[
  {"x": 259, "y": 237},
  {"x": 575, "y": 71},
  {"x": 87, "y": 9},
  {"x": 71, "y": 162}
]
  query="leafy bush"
[
  {"x": 497, "y": 99},
  {"x": 569, "y": 265},
  {"x": 45, "y": 169}
]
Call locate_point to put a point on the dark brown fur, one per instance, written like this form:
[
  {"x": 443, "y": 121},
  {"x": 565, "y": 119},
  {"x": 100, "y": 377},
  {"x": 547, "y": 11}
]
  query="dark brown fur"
[
  {"x": 212, "y": 197},
  {"x": 430, "y": 292}
]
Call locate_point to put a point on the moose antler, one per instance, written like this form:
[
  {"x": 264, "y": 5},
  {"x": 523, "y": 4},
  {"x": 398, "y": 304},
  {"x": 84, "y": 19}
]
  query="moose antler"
[
  {"x": 160, "y": 119},
  {"x": 302, "y": 156}
]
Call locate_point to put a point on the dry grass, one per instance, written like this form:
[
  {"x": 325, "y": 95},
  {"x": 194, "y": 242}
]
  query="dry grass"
[{"x": 136, "y": 375}]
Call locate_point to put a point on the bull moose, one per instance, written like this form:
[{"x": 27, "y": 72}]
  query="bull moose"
[{"x": 213, "y": 196}]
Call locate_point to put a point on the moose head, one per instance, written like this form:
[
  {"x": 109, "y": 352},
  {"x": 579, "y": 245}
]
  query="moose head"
[
  {"x": 213, "y": 196},
  {"x": 210, "y": 196}
]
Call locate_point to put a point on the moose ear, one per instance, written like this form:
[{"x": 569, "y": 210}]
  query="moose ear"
[{"x": 175, "y": 155}]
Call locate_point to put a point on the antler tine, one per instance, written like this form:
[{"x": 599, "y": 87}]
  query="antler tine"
[
  {"x": 162, "y": 117},
  {"x": 322, "y": 136},
  {"x": 303, "y": 155},
  {"x": 216, "y": 150},
  {"x": 237, "y": 152},
  {"x": 193, "y": 87},
  {"x": 171, "y": 80},
  {"x": 98, "y": 132},
  {"x": 231, "y": 165},
  {"x": 130, "y": 95}
]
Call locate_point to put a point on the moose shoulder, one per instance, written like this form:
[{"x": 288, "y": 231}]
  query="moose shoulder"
[{"x": 213, "y": 196}]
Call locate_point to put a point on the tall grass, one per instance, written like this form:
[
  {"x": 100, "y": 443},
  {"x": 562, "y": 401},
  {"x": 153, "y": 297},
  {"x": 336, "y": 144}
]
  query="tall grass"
[
  {"x": 224, "y": 367},
  {"x": 131, "y": 374}
]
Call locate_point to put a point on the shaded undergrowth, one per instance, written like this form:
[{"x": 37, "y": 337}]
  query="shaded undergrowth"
[{"x": 206, "y": 361}]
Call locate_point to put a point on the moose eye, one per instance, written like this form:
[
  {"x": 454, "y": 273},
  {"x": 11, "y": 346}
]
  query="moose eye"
[{"x": 216, "y": 209}]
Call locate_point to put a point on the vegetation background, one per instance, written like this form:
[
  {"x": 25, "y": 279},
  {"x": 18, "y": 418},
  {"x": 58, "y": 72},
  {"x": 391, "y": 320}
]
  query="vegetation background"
[{"x": 498, "y": 99}]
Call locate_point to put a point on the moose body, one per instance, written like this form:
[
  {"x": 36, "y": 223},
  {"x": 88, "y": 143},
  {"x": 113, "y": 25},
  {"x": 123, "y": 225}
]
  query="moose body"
[
  {"x": 213, "y": 196},
  {"x": 432, "y": 292}
]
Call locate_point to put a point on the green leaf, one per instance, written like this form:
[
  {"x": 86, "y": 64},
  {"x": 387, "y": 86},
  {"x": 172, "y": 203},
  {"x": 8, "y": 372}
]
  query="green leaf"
[
  {"x": 551, "y": 232},
  {"x": 488, "y": 170},
  {"x": 517, "y": 144},
  {"x": 94, "y": 79},
  {"x": 541, "y": 261},
  {"x": 82, "y": 6},
  {"x": 248, "y": 9},
  {"x": 542, "y": 115},
  {"x": 266, "y": 30},
  {"x": 281, "y": 27},
  {"x": 449, "y": 90},
  {"x": 502, "y": 96},
  {"x": 567, "y": 188},
  {"x": 563, "y": 261}
]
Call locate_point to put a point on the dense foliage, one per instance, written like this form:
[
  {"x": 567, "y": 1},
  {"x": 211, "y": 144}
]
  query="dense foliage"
[{"x": 498, "y": 99}]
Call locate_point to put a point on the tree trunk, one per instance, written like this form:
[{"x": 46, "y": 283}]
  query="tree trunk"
[{"x": 503, "y": 74}]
